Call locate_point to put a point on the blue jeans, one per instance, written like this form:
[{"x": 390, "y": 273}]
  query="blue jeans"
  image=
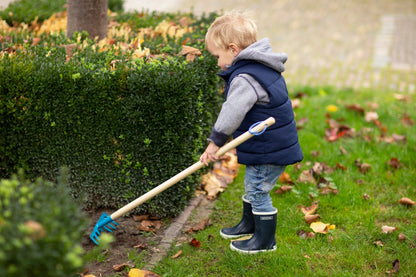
[{"x": 259, "y": 181}]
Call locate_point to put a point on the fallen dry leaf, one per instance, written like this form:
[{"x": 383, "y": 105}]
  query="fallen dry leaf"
[
  {"x": 320, "y": 227},
  {"x": 177, "y": 254},
  {"x": 141, "y": 246},
  {"x": 135, "y": 272},
  {"x": 211, "y": 185},
  {"x": 284, "y": 178},
  {"x": 373, "y": 105},
  {"x": 315, "y": 153},
  {"x": 189, "y": 52},
  {"x": 388, "y": 229},
  {"x": 120, "y": 267},
  {"x": 394, "y": 163},
  {"x": 404, "y": 98},
  {"x": 309, "y": 218},
  {"x": 222, "y": 174},
  {"x": 371, "y": 116},
  {"x": 145, "y": 229},
  {"x": 306, "y": 235},
  {"x": 343, "y": 151},
  {"x": 407, "y": 201},
  {"x": 311, "y": 209},
  {"x": 366, "y": 196},
  {"x": 295, "y": 103},
  {"x": 195, "y": 242},
  {"x": 306, "y": 177},
  {"x": 199, "y": 226},
  {"x": 340, "y": 166},
  {"x": 151, "y": 223},
  {"x": 363, "y": 167},
  {"x": 402, "y": 237},
  {"x": 337, "y": 131},
  {"x": 140, "y": 217},
  {"x": 396, "y": 267},
  {"x": 406, "y": 120},
  {"x": 283, "y": 189},
  {"x": 399, "y": 138},
  {"x": 356, "y": 108},
  {"x": 378, "y": 243}
]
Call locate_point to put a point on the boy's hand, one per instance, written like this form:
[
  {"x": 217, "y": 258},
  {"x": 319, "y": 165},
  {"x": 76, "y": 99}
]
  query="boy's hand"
[{"x": 209, "y": 154}]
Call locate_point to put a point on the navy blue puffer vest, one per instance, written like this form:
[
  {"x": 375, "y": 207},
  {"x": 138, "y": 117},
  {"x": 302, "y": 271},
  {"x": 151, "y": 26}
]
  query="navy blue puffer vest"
[{"x": 279, "y": 145}]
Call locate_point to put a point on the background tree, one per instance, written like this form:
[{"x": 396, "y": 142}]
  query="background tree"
[{"x": 87, "y": 15}]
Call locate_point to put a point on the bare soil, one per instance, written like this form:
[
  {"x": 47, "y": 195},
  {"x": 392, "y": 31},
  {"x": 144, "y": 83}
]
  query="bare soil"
[{"x": 128, "y": 239}]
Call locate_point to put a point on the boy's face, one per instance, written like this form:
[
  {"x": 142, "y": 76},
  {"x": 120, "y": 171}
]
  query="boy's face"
[{"x": 224, "y": 56}]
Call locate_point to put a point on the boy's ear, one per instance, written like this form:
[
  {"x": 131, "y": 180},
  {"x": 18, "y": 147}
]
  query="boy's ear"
[{"x": 235, "y": 49}]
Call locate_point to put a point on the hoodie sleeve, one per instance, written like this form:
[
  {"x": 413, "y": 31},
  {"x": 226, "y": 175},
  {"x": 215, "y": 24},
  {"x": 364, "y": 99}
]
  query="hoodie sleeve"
[{"x": 243, "y": 94}]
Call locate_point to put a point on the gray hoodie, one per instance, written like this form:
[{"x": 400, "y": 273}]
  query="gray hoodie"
[{"x": 244, "y": 90}]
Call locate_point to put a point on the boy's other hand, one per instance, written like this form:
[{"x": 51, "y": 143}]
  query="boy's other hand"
[{"x": 209, "y": 154}]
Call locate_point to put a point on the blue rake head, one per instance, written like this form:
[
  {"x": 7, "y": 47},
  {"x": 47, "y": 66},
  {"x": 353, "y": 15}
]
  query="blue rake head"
[{"x": 105, "y": 222}]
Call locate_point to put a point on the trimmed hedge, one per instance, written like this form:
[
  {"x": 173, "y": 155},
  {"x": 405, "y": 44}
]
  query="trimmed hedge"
[
  {"x": 121, "y": 124},
  {"x": 41, "y": 228}
]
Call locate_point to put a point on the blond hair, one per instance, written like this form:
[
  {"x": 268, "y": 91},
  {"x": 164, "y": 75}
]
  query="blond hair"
[{"x": 233, "y": 27}]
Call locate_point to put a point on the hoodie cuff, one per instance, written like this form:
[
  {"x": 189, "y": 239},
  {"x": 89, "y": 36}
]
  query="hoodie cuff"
[{"x": 218, "y": 138}]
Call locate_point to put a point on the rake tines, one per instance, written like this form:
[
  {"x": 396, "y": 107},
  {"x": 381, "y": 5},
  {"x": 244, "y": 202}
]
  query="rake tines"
[{"x": 105, "y": 222}]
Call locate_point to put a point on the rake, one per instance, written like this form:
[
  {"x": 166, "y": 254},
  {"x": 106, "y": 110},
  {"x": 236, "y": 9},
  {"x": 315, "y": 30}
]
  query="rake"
[{"x": 106, "y": 222}]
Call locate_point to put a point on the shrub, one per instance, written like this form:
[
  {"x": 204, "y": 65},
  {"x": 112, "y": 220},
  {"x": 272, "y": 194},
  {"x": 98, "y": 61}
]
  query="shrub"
[
  {"x": 40, "y": 228},
  {"x": 122, "y": 124}
]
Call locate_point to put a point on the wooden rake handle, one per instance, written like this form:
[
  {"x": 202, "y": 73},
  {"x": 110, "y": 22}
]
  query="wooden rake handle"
[{"x": 196, "y": 166}]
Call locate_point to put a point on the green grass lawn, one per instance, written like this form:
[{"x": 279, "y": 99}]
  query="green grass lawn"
[{"x": 357, "y": 246}]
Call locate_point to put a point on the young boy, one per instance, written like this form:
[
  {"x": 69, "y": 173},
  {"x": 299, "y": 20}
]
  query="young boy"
[{"x": 254, "y": 91}]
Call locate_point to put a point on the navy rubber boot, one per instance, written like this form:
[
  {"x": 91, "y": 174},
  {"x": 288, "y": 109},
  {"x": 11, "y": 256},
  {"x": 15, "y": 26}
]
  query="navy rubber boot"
[
  {"x": 263, "y": 239},
  {"x": 245, "y": 227}
]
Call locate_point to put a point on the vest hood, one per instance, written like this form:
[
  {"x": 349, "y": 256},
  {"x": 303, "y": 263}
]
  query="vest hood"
[{"x": 261, "y": 52}]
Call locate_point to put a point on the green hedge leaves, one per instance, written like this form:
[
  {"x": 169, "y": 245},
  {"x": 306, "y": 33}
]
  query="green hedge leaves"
[{"x": 122, "y": 125}]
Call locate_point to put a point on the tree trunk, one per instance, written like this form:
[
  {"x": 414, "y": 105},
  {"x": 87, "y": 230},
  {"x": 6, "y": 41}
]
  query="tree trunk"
[{"x": 87, "y": 15}]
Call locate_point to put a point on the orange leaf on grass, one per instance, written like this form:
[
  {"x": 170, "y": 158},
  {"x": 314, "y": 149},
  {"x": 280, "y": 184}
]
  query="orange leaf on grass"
[
  {"x": 135, "y": 272},
  {"x": 284, "y": 178},
  {"x": 311, "y": 209},
  {"x": 356, "y": 108},
  {"x": 195, "y": 242}
]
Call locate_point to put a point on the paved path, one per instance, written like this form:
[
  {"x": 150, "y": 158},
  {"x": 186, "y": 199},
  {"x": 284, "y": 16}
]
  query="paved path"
[{"x": 343, "y": 43}]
